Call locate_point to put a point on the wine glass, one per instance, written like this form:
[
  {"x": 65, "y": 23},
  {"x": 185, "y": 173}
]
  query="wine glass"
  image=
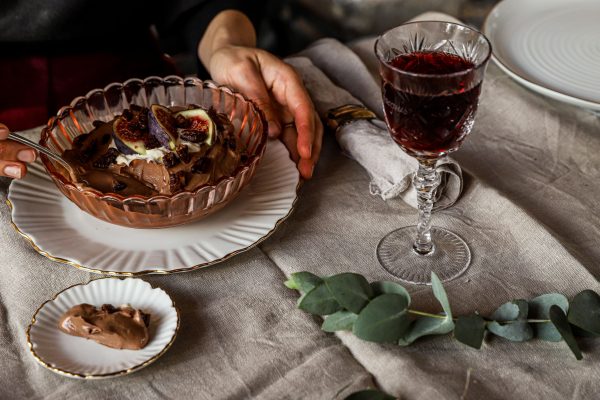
[{"x": 431, "y": 80}]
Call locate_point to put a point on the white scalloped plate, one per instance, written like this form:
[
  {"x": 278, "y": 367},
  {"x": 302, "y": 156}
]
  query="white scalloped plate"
[
  {"x": 59, "y": 230},
  {"x": 77, "y": 357},
  {"x": 549, "y": 46}
]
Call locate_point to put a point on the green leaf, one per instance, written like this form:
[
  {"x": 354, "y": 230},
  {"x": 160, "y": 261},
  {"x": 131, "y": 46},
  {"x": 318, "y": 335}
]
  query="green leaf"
[
  {"x": 319, "y": 301},
  {"x": 585, "y": 311},
  {"x": 370, "y": 394},
  {"x": 539, "y": 308},
  {"x": 424, "y": 326},
  {"x": 440, "y": 294},
  {"x": 384, "y": 319},
  {"x": 430, "y": 325},
  {"x": 516, "y": 309},
  {"x": 352, "y": 291},
  {"x": 303, "y": 281},
  {"x": 470, "y": 330},
  {"x": 518, "y": 331},
  {"x": 290, "y": 284},
  {"x": 339, "y": 321},
  {"x": 382, "y": 287},
  {"x": 560, "y": 321}
]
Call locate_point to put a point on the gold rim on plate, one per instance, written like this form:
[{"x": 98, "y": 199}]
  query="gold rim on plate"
[{"x": 99, "y": 376}]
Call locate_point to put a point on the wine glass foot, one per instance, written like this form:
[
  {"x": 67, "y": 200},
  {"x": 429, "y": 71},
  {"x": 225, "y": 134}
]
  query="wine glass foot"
[{"x": 450, "y": 258}]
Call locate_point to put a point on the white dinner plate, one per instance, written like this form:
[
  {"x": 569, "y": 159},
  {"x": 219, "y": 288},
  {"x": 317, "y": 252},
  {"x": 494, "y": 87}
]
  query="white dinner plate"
[
  {"x": 77, "y": 357},
  {"x": 58, "y": 229},
  {"x": 550, "y": 46}
]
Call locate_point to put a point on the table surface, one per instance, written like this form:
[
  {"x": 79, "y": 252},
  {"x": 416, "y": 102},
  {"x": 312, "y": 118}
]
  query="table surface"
[{"x": 529, "y": 212}]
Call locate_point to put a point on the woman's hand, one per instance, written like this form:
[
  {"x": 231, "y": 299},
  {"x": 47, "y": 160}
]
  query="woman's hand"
[
  {"x": 13, "y": 156},
  {"x": 279, "y": 92},
  {"x": 227, "y": 51}
]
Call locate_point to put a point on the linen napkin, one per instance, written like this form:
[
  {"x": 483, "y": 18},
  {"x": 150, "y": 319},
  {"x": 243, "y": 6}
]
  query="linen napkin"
[{"x": 334, "y": 75}]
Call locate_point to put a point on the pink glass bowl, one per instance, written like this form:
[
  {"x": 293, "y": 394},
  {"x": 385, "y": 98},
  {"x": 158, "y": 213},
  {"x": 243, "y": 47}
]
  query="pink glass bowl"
[{"x": 157, "y": 211}]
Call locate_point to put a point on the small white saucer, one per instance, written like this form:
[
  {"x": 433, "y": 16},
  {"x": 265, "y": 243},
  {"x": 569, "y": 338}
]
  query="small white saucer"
[{"x": 77, "y": 357}]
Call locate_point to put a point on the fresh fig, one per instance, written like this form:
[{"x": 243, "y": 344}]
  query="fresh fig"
[
  {"x": 196, "y": 126},
  {"x": 162, "y": 125},
  {"x": 130, "y": 132}
]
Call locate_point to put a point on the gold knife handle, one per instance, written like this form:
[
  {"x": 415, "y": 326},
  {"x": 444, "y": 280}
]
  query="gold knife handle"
[{"x": 342, "y": 115}]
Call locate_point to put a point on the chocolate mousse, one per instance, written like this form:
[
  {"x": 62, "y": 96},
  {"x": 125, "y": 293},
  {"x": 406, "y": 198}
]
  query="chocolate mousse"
[
  {"x": 158, "y": 150},
  {"x": 117, "y": 327}
]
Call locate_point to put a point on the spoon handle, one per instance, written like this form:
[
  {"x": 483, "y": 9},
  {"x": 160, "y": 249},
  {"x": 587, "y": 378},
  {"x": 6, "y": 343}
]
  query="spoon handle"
[{"x": 18, "y": 138}]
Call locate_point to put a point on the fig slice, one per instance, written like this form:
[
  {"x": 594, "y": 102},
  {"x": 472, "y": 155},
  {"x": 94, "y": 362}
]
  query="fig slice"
[
  {"x": 130, "y": 132},
  {"x": 196, "y": 123},
  {"x": 161, "y": 123}
]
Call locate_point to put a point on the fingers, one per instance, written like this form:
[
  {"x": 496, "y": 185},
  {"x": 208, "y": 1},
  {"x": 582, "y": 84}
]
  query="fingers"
[
  {"x": 12, "y": 169},
  {"x": 289, "y": 137},
  {"x": 255, "y": 89},
  {"x": 13, "y": 156},
  {"x": 300, "y": 106},
  {"x": 13, "y": 151},
  {"x": 305, "y": 138},
  {"x": 306, "y": 166}
]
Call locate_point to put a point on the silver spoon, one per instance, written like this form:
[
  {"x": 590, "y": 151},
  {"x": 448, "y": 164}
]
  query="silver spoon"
[{"x": 73, "y": 171}]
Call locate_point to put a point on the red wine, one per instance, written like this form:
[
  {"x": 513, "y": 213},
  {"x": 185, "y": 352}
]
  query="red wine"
[{"x": 430, "y": 115}]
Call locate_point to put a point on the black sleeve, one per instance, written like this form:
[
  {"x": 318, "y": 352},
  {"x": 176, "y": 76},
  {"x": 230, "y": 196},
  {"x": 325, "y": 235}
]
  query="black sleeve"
[{"x": 188, "y": 19}]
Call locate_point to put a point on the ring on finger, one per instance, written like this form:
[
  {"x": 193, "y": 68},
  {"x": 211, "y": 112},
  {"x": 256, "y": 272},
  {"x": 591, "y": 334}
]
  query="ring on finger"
[{"x": 291, "y": 124}]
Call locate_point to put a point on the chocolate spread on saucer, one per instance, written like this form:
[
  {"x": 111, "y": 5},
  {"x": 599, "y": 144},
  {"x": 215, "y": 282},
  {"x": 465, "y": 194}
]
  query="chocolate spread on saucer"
[{"x": 117, "y": 327}]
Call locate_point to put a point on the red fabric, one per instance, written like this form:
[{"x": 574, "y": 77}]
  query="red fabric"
[
  {"x": 23, "y": 92},
  {"x": 34, "y": 88}
]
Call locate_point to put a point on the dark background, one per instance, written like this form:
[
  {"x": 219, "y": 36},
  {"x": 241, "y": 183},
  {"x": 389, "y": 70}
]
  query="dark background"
[{"x": 288, "y": 26}]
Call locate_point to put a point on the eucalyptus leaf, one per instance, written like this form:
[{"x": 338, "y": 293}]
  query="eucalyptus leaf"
[
  {"x": 517, "y": 331},
  {"x": 381, "y": 287},
  {"x": 352, "y": 291},
  {"x": 470, "y": 330},
  {"x": 539, "y": 308},
  {"x": 560, "y": 321},
  {"x": 303, "y": 281},
  {"x": 424, "y": 326},
  {"x": 319, "y": 301},
  {"x": 516, "y": 309},
  {"x": 370, "y": 394},
  {"x": 339, "y": 321},
  {"x": 291, "y": 284},
  {"x": 440, "y": 294},
  {"x": 584, "y": 311},
  {"x": 384, "y": 319}
]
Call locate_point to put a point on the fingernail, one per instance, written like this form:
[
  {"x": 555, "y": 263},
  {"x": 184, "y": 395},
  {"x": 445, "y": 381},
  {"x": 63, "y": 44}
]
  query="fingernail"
[
  {"x": 13, "y": 171},
  {"x": 26, "y": 156}
]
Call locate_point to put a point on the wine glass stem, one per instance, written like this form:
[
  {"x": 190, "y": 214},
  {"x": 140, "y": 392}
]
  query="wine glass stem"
[{"x": 425, "y": 182}]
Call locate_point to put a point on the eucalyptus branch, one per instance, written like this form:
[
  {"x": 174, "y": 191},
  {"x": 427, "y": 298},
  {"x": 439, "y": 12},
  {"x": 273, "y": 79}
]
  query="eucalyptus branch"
[
  {"x": 442, "y": 316},
  {"x": 379, "y": 312}
]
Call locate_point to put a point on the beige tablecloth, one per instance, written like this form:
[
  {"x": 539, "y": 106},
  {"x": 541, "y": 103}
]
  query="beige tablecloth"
[{"x": 529, "y": 212}]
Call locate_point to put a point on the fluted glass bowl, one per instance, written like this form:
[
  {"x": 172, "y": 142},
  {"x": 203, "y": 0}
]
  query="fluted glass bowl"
[{"x": 161, "y": 210}]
